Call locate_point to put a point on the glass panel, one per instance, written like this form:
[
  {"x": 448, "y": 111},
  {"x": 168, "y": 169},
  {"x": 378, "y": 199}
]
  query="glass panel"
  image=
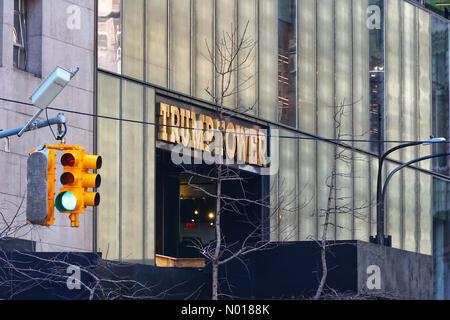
[
  {"x": 344, "y": 110},
  {"x": 307, "y": 118},
  {"x": 440, "y": 87},
  {"x": 408, "y": 114},
  {"x": 180, "y": 62},
  {"x": 156, "y": 24},
  {"x": 109, "y": 35},
  {"x": 408, "y": 118},
  {"x": 373, "y": 195},
  {"x": 424, "y": 102},
  {"x": 247, "y": 75},
  {"x": 149, "y": 209},
  {"x": 287, "y": 62},
  {"x": 441, "y": 238},
  {"x": 325, "y": 112},
  {"x": 376, "y": 67},
  {"x": 362, "y": 194},
  {"x": 132, "y": 173},
  {"x": 133, "y": 39},
  {"x": 268, "y": 60},
  {"x": 287, "y": 188},
  {"x": 307, "y": 66},
  {"x": 225, "y": 23},
  {"x": 108, "y": 138},
  {"x": 410, "y": 199},
  {"x": 274, "y": 181},
  {"x": 307, "y": 189},
  {"x": 203, "y": 33},
  {"x": 393, "y": 207},
  {"x": 393, "y": 76},
  {"x": 426, "y": 214}
]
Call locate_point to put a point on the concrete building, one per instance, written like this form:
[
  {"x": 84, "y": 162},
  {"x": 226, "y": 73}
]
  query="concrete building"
[
  {"x": 385, "y": 62},
  {"x": 36, "y": 36},
  {"x": 144, "y": 70}
]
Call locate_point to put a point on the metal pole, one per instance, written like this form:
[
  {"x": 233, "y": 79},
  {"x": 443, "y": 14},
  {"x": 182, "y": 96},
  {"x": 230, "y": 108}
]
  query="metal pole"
[
  {"x": 380, "y": 237},
  {"x": 388, "y": 179},
  {"x": 30, "y": 123},
  {"x": 59, "y": 119}
]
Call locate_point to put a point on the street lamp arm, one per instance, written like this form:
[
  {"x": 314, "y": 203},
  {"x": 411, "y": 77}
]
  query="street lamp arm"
[
  {"x": 397, "y": 169},
  {"x": 380, "y": 216},
  {"x": 410, "y": 144}
]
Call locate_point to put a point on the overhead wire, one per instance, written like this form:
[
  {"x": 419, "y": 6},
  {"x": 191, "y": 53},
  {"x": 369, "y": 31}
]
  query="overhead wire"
[{"x": 311, "y": 138}]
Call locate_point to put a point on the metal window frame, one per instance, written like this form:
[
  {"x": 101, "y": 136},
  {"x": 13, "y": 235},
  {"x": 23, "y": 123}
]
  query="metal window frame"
[{"x": 20, "y": 58}]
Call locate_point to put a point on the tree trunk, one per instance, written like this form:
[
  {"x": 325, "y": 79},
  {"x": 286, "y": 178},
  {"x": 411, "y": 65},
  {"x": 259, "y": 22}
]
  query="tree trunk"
[
  {"x": 215, "y": 260},
  {"x": 323, "y": 243},
  {"x": 215, "y": 280}
]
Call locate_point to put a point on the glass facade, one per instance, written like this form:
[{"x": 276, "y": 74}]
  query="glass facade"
[
  {"x": 365, "y": 72},
  {"x": 287, "y": 62},
  {"x": 441, "y": 205}
]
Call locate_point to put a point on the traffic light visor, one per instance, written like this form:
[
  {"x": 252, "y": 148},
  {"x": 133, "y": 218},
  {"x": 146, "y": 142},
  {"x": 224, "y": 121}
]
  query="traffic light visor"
[
  {"x": 92, "y": 162},
  {"x": 92, "y": 180},
  {"x": 92, "y": 199}
]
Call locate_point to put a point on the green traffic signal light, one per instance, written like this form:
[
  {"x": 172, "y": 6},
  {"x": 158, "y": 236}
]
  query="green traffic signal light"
[{"x": 66, "y": 201}]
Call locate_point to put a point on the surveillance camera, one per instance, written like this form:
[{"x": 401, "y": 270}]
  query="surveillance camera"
[{"x": 51, "y": 87}]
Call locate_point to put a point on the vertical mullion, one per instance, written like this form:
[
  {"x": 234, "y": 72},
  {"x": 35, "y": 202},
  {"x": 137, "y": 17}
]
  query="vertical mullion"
[
  {"x": 352, "y": 121},
  {"x": 144, "y": 146},
  {"x": 316, "y": 144},
  {"x": 169, "y": 40},
  {"x": 120, "y": 133},
  {"x": 95, "y": 120},
  {"x": 120, "y": 170}
]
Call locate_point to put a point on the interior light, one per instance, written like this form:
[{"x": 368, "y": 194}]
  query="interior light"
[
  {"x": 196, "y": 212},
  {"x": 211, "y": 215}
]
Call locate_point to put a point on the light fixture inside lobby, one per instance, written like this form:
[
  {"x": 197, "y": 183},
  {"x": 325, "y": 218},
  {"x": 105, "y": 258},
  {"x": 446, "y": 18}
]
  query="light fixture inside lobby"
[{"x": 442, "y": 3}]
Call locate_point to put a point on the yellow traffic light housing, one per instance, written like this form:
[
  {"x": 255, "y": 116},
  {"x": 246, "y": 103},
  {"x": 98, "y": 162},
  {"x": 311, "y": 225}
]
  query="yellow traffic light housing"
[
  {"x": 77, "y": 179},
  {"x": 74, "y": 196}
]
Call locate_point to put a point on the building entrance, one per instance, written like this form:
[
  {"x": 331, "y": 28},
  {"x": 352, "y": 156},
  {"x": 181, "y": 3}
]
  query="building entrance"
[{"x": 186, "y": 208}]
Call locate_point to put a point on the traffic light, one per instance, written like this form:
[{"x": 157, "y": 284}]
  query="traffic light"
[
  {"x": 41, "y": 187},
  {"x": 77, "y": 179}
]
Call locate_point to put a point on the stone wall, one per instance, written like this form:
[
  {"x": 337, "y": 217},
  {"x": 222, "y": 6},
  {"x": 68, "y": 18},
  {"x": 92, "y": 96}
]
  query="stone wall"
[{"x": 57, "y": 40}]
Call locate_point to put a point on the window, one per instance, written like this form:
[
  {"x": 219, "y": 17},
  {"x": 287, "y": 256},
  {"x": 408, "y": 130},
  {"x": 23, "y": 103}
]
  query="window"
[
  {"x": 109, "y": 35},
  {"x": 102, "y": 41},
  {"x": 441, "y": 7},
  {"x": 376, "y": 71},
  {"x": 20, "y": 35},
  {"x": 287, "y": 62},
  {"x": 1, "y": 35}
]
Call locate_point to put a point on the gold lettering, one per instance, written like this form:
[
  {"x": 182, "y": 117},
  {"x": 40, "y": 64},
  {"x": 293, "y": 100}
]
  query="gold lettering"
[
  {"x": 209, "y": 134},
  {"x": 230, "y": 141},
  {"x": 185, "y": 131},
  {"x": 219, "y": 138},
  {"x": 247, "y": 145},
  {"x": 163, "y": 115},
  {"x": 197, "y": 131},
  {"x": 262, "y": 148},
  {"x": 242, "y": 144},
  {"x": 252, "y": 146},
  {"x": 174, "y": 125}
]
